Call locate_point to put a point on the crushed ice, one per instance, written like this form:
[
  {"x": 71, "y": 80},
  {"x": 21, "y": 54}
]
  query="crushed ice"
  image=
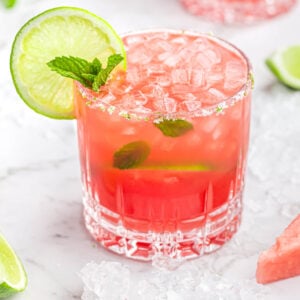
[
  {"x": 108, "y": 280},
  {"x": 115, "y": 281},
  {"x": 160, "y": 69}
]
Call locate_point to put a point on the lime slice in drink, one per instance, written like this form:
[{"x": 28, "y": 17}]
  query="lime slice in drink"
[
  {"x": 13, "y": 278},
  {"x": 285, "y": 64},
  {"x": 61, "y": 31}
]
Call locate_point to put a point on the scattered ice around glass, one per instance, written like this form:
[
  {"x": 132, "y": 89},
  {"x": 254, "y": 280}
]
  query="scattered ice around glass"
[
  {"x": 189, "y": 282},
  {"x": 108, "y": 280},
  {"x": 279, "y": 135}
]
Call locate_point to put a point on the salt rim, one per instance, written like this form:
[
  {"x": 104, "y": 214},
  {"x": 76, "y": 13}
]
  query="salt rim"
[{"x": 96, "y": 102}]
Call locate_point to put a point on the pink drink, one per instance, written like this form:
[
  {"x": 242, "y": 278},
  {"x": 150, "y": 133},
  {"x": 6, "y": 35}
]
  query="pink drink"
[
  {"x": 238, "y": 11},
  {"x": 185, "y": 198}
]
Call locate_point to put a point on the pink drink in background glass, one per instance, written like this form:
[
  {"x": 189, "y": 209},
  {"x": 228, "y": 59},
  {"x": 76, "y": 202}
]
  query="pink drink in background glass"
[
  {"x": 238, "y": 11},
  {"x": 185, "y": 199}
]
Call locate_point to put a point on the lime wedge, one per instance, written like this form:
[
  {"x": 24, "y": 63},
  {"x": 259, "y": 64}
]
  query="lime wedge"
[
  {"x": 13, "y": 278},
  {"x": 61, "y": 31},
  {"x": 285, "y": 64}
]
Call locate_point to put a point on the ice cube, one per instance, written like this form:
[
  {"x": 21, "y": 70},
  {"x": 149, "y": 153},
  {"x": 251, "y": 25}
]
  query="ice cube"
[
  {"x": 148, "y": 290},
  {"x": 158, "y": 92},
  {"x": 218, "y": 132},
  {"x": 128, "y": 101},
  {"x": 199, "y": 44},
  {"x": 219, "y": 96},
  {"x": 134, "y": 39},
  {"x": 189, "y": 97},
  {"x": 155, "y": 69},
  {"x": 134, "y": 75},
  {"x": 180, "y": 40},
  {"x": 170, "y": 105},
  {"x": 197, "y": 77},
  {"x": 192, "y": 105},
  {"x": 160, "y": 35},
  {"x": 210, "y": 124},
  {"x": 214, "y": 77},
  {"x": 181, "y": 90},
  {"x": 213, "y": 55},
  {"x": 170, "y": 59},
  {"x": 107, "y": 98},
  {"x": 140, "y": 112},
  {"x": 141, "y": 55},
  {"x": 158, "y": 45},
  {"x": 107, "y": 280},
  {"x": 213, "y": 96},
  {"x": 140, "y": 99},
  {"x": 235, "y": 75},
  {"x": 180, "y": 76},
  {"x": 206, "y": 59},
  {"x": 129, "y": 130},
  {"x": 88, "y": 295},
  {"x": 163, "y": 80}
]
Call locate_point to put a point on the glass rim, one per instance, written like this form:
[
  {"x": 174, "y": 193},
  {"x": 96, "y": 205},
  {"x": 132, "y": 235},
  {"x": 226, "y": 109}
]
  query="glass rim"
[{"x": 239, "y": 95}]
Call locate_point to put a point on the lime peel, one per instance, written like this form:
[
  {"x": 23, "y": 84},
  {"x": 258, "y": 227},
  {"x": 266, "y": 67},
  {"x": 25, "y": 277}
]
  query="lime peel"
[{"x": 13, "y": 277}]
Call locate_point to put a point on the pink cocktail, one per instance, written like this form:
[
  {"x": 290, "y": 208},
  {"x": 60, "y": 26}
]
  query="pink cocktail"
[
  {"x": 238, "y": 11},
  {"x": 163, "y": 147}
]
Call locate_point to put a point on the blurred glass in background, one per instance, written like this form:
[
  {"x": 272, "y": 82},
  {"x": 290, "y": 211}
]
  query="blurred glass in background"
[{"x": 238, "y": 11}]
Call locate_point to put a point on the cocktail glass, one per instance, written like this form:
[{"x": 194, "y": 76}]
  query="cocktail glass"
[
  {"x": 238, "y": 11},
  {"x": 163, "y": 147}
]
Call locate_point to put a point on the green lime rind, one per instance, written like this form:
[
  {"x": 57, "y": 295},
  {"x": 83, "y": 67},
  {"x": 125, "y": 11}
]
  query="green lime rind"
[
  {"x": 9, "y": 3},
  {"x": 6, "y": 290},
  {"x": 285, "y": 65},
  {"x": 61, "y": 31},
  {"x": 13, "y": 278}
]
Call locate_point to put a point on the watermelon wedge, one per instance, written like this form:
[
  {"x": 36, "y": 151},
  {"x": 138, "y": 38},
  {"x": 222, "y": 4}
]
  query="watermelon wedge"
[{"x": 282, "y": 260}]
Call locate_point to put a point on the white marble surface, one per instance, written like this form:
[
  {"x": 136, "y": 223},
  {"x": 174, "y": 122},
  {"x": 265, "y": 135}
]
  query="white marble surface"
[{"x": 40, "y": 205}]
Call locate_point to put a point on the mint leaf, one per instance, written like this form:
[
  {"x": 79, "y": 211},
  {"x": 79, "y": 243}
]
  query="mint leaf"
[
  {"x": 96, "y": 66},
  {"x": 90, "y": 74},
  {"x": 102, "y": 76},
  {"x": 71, "y": 67},
  {"x": 174, "y": 128},
  {"x": 131, "y": 155}
]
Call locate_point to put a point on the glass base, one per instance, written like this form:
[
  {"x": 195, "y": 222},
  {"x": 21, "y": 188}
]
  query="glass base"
[
  {"x": 165, "y": 249},
  {"x": 238, "y": 11}
]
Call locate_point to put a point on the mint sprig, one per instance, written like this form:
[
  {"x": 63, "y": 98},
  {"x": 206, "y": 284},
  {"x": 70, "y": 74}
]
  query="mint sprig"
[
  {"x": 131, "y": 155},
  {"x": 174, "y": 128},
  {"x": 90, "y": 74}
]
